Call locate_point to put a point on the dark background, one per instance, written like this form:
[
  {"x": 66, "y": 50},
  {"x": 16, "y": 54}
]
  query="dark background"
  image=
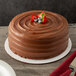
[{"x": 10, "y": 8}]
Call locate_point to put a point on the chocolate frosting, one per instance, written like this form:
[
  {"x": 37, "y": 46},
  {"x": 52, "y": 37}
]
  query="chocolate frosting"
[{"x": 35, "y": 40}]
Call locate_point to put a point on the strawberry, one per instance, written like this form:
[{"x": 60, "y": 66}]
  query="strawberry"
[
  {"x": 43, "y": 17},
  {"x": 44, "y": 20},
  {"x": 33, "y": 17}
]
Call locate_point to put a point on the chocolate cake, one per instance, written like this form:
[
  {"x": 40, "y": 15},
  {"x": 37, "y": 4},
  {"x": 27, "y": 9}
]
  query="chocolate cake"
[{"x": 35, "y": 40}]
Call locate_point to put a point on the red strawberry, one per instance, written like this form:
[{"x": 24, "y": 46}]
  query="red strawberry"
[
  {"x": 33, "y": 17},
  {"x": 44, "y": 20}
]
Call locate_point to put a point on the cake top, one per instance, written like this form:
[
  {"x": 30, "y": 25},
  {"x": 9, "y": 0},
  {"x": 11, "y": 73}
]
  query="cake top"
[{"x": 53, "y": 25}]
